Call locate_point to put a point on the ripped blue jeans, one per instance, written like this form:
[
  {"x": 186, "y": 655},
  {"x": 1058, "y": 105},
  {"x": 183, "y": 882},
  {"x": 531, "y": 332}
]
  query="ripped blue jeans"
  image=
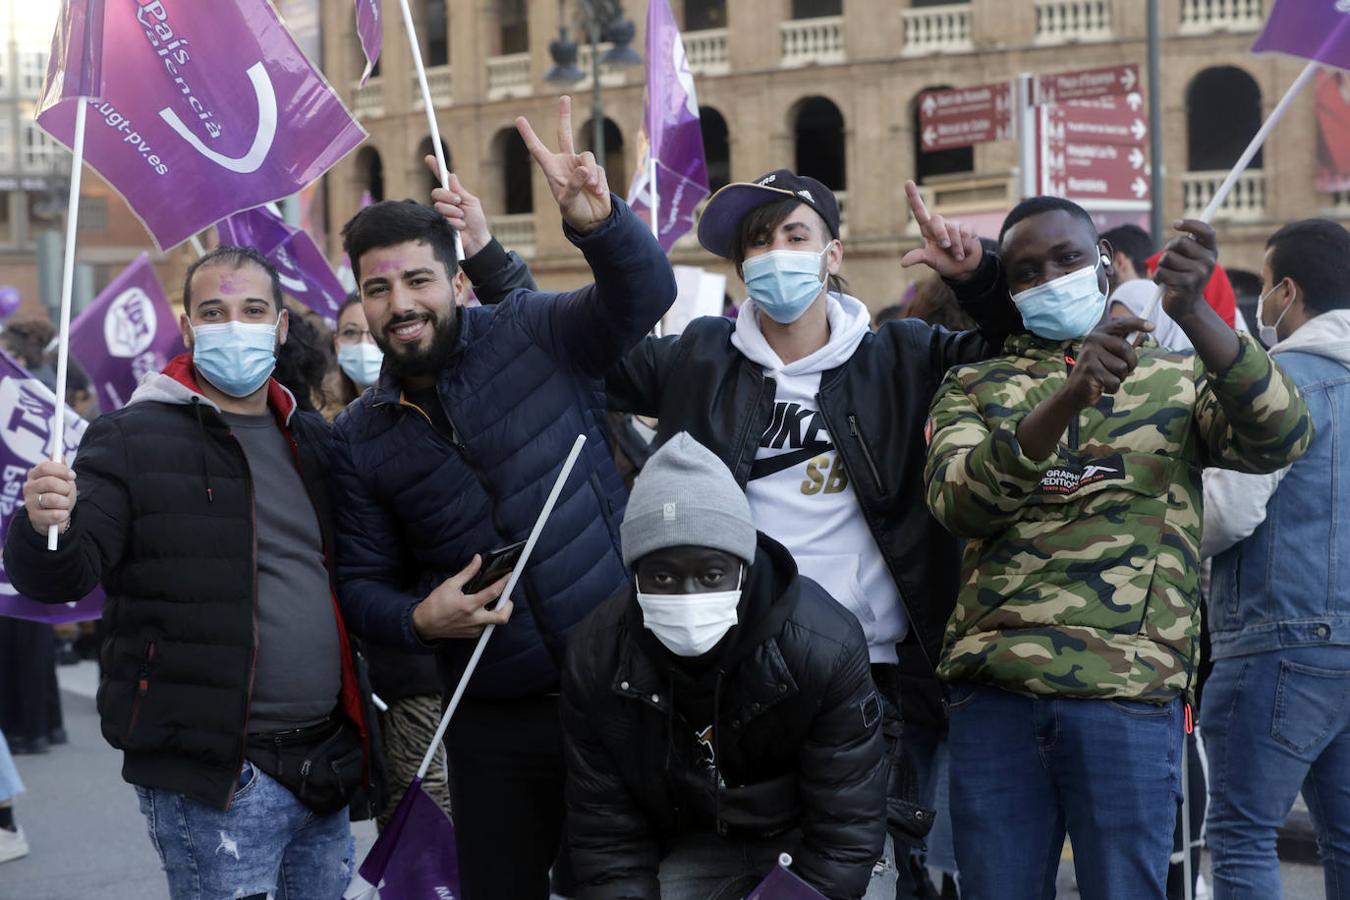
[{"x": 268, "y": 844}]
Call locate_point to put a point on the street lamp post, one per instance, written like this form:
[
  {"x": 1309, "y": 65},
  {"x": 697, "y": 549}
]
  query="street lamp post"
[{"x": 600, "y": 18}]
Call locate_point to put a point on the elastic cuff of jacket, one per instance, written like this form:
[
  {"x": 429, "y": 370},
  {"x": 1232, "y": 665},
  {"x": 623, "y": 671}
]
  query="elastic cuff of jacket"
[
  {"x": 1251, "y": 363},
  {"x": 411, "y": 638},
  {"x": 1007, "y": 456},
  {"x": 486, "y": 262},
  {"x": 980, "y": 282},
  {"x": 618, "y": 211},
  {"x": 36, "y": 541}
]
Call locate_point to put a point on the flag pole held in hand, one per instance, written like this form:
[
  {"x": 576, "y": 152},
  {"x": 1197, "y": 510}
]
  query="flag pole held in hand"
[{"x": 506, "y": 596}]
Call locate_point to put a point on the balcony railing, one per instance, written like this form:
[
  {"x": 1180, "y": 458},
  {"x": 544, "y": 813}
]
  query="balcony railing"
[
  {"x": 508, "y": 76},
  {"x": 937, "y": 29},
  {"x": 438, "y": 81},
  {"x": 707, "y": 51},
  {"x": 1337, "y": 203},
  {"x": 368, "y": 101},
  {"x": 1210, "y": 16},
  {"x": 1067, "y": 21},
  {"x": 807, "y": 41},
  {"x": 515, "y": 232},
  {"x": 1246, "y": 202}
]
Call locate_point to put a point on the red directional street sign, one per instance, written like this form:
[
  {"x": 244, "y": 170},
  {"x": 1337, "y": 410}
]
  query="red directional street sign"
[
  {"x": 1091, "y": 153},
  {"x": 961, "y": 117},
  {"x": 1110, "y": 120},
  {"x": 1087, "y": 84}
]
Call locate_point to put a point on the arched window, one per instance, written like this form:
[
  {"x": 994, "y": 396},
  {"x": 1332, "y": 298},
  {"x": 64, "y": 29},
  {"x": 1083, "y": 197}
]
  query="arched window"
[
  {"x": 516, "y": 173},
  {"x": 716, "y": 146},
  {"x": 1223, "y": 112},
  {"x": 818, "y": 142},
  {"x": 435, "y": 33},
  {"x": 815, "y": 9},
  {"x": 370, "y": 173},
  {"x": 928, "y": 164},
  {"x": 513, "y": 24},
  {"x": 432, "y": 182},
  {"x": 616, "y": 167},
  {"x": 703, "y": 14}
]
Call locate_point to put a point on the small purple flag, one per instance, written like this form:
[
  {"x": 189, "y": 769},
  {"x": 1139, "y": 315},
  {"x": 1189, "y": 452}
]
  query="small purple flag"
[
  {"x": 782, "y": 884},
  {"x": 128, "y": 331},
  {"x": 1317, "y": 30},
  {"x": 301, "y": 266},
  {"x": 415, "y": 857},
  {"x": 25, "y": 440},
  {"x": 672, "y": 132},
  {"x": 75, "y": 68},
  {"x": 370, "y": 29},
  {"x": 206, "y": 109}
]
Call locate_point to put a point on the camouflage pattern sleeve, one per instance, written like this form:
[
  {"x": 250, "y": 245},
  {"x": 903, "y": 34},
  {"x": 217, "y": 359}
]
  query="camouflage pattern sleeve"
[
  {"x": 977, "y": 478},
  {"x": 1252, "y": 417}
]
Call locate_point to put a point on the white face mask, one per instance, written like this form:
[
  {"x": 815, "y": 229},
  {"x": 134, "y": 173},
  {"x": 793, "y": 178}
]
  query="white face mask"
[
  {"x": 690, "y": 624},
  {"x": 1269, "y": 334},
  {"x": 361, "y": 362}
]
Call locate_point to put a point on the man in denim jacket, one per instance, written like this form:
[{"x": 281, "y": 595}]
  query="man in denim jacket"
[{"x": 1276, "y": 716}]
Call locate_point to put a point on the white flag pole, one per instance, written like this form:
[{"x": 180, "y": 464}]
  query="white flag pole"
[
  {"x": 1245, "y": 160},
  {"x": 67, "y": 288},
  {"x": 197, "y": 246},
  {"x": 506, "y": 595},
  {"x": 431, "y": 111}
]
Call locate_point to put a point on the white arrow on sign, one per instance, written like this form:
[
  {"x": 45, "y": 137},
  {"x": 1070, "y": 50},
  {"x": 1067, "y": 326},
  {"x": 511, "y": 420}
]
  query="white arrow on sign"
[
  {"x": 1137, "y": 159},
  {"x": 1139, "y": 130},
  {"x": 1128, "y": 79},
  {"x": 929, "y": 104},
  {"x": 1135, "y": 101},
  {"x": 929, "y": 136},
  {"x": 1140, "y": 188}
]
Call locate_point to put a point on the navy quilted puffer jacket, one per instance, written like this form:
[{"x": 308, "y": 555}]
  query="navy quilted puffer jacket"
[{"x": 525, "y": 379}]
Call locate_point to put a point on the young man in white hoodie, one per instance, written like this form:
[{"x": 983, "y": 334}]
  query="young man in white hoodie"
[
  {"x": 821, "y": 421},
  {"x": 1276, "y": 716}
]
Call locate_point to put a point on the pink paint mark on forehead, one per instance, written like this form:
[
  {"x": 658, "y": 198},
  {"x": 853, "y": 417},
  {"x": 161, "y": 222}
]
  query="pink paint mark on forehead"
[
  {"x": 389, "y": 266},
  {"x": 229, "y": 283}
]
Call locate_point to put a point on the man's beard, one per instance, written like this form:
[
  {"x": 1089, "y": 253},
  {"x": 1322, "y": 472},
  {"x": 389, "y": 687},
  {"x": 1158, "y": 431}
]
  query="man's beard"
[{"x": 413, "y": 362}]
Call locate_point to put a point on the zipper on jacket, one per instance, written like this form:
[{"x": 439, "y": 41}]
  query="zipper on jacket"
[
  {"x": 746, "y": 439},
  {"x": 867, "y": 454},
  {"x": 1069, "y": 363},
  {"x": 142, "y": 687},
  {"x": 253, "y": 658}
]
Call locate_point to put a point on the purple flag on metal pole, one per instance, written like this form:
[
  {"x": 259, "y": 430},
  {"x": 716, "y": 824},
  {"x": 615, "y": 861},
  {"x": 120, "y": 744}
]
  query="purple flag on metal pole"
[
  {"x": 26, "y": 406},
  {"x": 415, "y": 857},
  {"x": 672, "y": 131},
  {"x": 75, "y": 68},
  {"x": 370, "y": 29},
  {"x": 206, "y": 109},
  {"x": 1318, "y": 30},
  {"x": 782, "y": 884},
  {"x": 301, "y": 266},
  {"x": 128, "y": 331}
]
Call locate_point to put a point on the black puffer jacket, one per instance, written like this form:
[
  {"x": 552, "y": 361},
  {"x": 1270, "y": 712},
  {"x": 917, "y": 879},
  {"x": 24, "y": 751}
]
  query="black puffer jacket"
[{"x": 796, "y": 739}]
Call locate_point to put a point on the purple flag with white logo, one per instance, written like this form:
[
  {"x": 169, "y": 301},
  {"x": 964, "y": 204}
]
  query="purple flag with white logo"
[
  {"x": 301, "y": 266},
  {"x": 672, "y": 133},
  {"x": 26, "y": 406},
  {"x": 370, "y": 29},
  {"x": 74, "y": 68},
  {"x": 128, "y": 331},
  {"x": 206, "y": 109},
  {"x": 1318, "y": 30},
  {"x": 782, "y": 884},
  {"x": 415, "y": 857}
]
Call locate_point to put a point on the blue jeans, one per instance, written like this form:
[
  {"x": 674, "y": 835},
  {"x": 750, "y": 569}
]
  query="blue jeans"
[
  {"x": 1275, "y": 723},
  {"x": 1026, "y": 769},
  {"x": 267, "y": 844}
]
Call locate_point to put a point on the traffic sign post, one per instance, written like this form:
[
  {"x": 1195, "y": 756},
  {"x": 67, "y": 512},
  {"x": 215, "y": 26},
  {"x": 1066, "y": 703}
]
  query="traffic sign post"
[
  {"x": 1087, "y": 84},
  {"x": 964, "y": 116},
  {"x": 1093, "y": 151}
]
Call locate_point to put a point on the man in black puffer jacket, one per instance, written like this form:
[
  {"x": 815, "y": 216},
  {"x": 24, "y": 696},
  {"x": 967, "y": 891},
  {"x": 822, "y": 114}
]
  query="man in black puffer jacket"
[{"x": 722, "y": 714}]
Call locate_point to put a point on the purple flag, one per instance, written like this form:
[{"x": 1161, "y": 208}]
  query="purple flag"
[
  {"x": 128, "y": 331},
  {"x": 25, "y": 441},
  {"x": 1318, "y": 30},
  {"x": 782, "y": 884},
  {"x": 75, "y": 66},
  {"x": 672, "y": 132},
  {"x": 206, "y": 109},
  {"x": 370, "y": 29},
  {"x": 301, "y": 266},
  {"x": 415, "y": 857}
]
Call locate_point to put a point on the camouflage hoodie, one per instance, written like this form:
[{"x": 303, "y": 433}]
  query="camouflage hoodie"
[{"x": 1080, "y": 576}]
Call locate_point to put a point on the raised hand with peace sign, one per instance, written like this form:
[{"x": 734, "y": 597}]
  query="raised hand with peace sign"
[{"x": 577, "y": 182}]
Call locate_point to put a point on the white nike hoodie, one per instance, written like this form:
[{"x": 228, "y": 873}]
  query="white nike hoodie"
[{"x": 800, "y": 494}]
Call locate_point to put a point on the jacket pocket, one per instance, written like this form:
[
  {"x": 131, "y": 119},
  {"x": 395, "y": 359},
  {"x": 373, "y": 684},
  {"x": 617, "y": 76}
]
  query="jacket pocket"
[
  {"x": 142, "y": 688},
  {"x": 606, "y": 510}
]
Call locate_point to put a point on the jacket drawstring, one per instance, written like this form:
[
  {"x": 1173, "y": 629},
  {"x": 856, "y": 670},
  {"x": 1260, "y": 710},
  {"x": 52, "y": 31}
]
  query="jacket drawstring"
[
  {"x": 717, "y": 754},
  {"x": 206, "y": 470}
]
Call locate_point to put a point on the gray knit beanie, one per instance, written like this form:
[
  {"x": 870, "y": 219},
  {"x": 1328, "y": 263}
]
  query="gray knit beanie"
[{"x": 685, "y": 495}]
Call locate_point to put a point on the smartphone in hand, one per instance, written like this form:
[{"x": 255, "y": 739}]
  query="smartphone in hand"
[{"x": 496, "y": 563}]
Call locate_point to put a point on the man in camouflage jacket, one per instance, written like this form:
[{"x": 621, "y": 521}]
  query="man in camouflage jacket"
[{"x": 1072, "y": 465}]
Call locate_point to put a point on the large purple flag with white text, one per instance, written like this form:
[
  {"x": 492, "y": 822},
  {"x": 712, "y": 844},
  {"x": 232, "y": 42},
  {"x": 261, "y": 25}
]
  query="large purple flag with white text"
[
  {"x": 26, "y": 440},
  {"x": 128, "y": 331},
  {"x": 671, "y": 132},
  {"x": 415, "y": 858},
  {"x": 301, "y": 266},
  {"x": 205, "y": 109},
  {"x": 370, "y": 29},
  {"x": 75, "y": 67},
  {"x": 1313, "y": 29}
]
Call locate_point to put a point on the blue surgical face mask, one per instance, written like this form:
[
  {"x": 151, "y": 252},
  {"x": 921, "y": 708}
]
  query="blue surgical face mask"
[
  {"x": 1064, "y": 309},
  {"x": 784, "y": 283},
  {"x": 236, "y": 357},
  {"x": 361, "y": 362}
]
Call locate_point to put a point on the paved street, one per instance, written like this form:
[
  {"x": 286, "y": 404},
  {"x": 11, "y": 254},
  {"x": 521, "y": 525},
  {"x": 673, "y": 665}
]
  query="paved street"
[{"x": 89, "y": 839}]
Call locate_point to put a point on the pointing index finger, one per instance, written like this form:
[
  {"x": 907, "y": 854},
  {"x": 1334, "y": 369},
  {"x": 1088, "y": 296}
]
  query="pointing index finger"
[
  {"x": 1126, "y": 325},
  {"x": 916, "y": 204},
  {"x": 532, "y": 142}
]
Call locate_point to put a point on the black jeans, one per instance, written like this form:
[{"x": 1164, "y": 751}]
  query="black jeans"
[
  {"x": 30, "y": 700},
  {"x": 506, "y": 789}
]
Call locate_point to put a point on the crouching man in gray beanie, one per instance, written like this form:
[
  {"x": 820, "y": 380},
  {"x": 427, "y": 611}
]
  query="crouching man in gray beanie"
[{"x": 719, "y": 714}]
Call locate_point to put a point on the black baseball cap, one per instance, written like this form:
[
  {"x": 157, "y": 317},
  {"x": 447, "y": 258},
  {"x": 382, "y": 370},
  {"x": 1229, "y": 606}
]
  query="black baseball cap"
[{"x": 722, "y": 216}]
